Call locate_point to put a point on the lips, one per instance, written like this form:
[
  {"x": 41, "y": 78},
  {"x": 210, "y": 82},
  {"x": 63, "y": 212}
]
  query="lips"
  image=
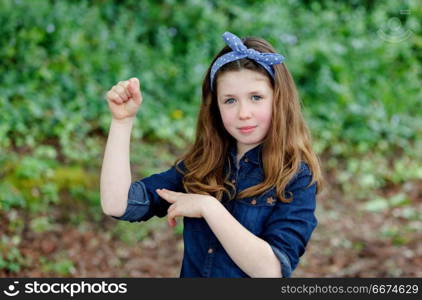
[{"x": 246, "y": 129}]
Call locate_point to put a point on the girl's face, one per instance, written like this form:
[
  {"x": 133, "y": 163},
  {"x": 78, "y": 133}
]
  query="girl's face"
[{"x": 245, "y": 101}]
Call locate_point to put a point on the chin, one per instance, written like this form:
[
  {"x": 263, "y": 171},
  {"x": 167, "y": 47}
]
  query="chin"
[{"x": 251, "y": 141}]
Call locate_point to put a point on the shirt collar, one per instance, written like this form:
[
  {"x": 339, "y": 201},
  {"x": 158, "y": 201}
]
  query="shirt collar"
[{"x": 253, "y": 155}]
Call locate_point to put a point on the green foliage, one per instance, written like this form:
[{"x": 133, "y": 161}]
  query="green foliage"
[
  {"x": 63, "y": 63},
  {"x": 11, "y": 258},
  {"x": 381, "y": 204},
  {"x": 60, "y": 267},
  {"x": 179, "y": 227},
  {"x": 41, "y": 224},
  {"x": 12, "y": 261},
  {"x": 132, "y": 233}
]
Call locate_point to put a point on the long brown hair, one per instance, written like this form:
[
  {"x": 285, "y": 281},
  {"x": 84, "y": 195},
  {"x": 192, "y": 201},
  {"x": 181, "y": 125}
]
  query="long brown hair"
[{"x": 288, "y": 141}]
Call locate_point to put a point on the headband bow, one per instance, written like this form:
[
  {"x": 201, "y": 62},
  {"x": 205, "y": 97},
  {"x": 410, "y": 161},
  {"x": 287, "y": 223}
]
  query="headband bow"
[{"x": 240, "y": 51}]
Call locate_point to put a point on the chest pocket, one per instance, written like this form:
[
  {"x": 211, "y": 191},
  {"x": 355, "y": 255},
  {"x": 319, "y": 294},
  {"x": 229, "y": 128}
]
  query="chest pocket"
[{"x": 252, "y": 212}]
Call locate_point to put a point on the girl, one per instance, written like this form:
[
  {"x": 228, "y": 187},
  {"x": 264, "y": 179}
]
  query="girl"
[{"x": 246, "y": 188}]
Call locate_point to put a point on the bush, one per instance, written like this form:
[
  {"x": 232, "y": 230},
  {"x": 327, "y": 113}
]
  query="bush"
[{"x": 361, "y": 92}]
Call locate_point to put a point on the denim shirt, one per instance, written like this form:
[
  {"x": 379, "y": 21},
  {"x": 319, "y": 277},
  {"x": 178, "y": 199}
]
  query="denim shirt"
[{"x": 286, "y": 227}]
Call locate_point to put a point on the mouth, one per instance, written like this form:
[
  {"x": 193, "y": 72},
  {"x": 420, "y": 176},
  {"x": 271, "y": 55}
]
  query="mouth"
[{"x": 246, "y": 129}]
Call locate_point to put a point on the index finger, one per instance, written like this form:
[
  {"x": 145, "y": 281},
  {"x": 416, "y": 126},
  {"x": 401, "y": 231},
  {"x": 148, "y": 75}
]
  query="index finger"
[{"x": 166, "y": 195}]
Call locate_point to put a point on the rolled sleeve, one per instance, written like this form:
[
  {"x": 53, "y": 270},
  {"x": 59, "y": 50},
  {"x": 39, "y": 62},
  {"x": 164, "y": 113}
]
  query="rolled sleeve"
[
  {"x": 143, "y": 200},
  {"x": 290, "y": 225}
]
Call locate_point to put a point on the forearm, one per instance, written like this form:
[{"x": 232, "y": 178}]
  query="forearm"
[
  {"x": 115, "y": 171},
  {"x": 251, "y": 253}
]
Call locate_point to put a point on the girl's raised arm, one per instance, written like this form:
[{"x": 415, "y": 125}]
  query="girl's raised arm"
[{"x": 124, "y": 99}]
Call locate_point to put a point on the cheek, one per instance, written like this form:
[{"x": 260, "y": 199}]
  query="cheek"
[
  {"x": 264, "y": 117},
  {"x": 226, "y": 117}
]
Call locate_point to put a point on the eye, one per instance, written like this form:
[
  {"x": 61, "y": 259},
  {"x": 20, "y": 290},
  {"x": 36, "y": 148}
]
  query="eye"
[
  {"x": 256, "y": 97},
  {"x": 229, "y": 101}
]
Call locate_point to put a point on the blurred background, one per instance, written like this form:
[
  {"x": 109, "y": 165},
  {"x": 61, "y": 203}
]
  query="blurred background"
[{"x": 358, "y": 68}]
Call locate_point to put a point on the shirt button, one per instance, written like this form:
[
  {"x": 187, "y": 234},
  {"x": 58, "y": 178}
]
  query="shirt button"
[
  {"x": 253, "y": 202},
  {"x": 246, "y": 159},
  {"x": 210, "y": 250}
]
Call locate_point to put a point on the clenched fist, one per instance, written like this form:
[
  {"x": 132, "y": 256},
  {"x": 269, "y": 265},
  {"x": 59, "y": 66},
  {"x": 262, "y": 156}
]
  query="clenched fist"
[{"x": 124, "y": 99}]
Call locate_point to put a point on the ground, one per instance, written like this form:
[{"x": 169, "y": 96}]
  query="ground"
[{"x": 347, "y": 243}]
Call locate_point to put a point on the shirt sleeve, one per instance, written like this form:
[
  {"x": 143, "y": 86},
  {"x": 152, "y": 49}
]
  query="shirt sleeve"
[
  {"x": 143, "y": 200},
  {"x": 290, "y": 225}
]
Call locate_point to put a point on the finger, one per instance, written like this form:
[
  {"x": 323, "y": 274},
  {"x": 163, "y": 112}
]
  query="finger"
[
  {"x": 171, "y": 221},
  {"x": 174, "y": 195},
  {"x": 134, "y": 89},
  {"x": 113, "y": 96},
  {"x": 171, "y": 208},
  {"x": 166, "y": 195},
  {"x": 170, "y": 192},
  {"x": 122, "y": 92},
  {"x": 123, "y": 85}
]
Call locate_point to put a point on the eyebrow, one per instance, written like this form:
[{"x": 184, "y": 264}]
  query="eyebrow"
[{"x": 250, "y": 93}]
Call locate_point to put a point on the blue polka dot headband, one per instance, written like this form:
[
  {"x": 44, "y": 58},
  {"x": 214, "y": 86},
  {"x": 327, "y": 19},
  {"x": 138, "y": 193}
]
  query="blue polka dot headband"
[{"x": 240, "y": 51}]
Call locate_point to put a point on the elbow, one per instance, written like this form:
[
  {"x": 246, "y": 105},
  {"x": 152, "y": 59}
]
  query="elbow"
[
  {"x": 272, "y": 266},
  {"x": 270, "y": 271},
  {"x": 112, "y": 211},
  {"x": 276, "y": 271},
  {"x": 107, "y": 211}
]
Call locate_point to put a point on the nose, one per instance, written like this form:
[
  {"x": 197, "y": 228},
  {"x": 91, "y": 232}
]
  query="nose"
[{"x": 245, "y": 111}]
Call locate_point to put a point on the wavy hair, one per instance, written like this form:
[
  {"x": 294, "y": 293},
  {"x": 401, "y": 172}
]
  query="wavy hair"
[{"x": 287, "y": 143}]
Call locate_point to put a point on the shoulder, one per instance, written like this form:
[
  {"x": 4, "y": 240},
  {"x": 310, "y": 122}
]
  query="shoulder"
[
  {"x": 302, "y": 177},
  {"x": 173, "y": 174},
  {"x": 180, "y": 166},
  {"x": 303, "y": 170}
]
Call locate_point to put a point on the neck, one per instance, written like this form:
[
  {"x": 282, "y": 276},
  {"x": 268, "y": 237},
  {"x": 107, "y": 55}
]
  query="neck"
[{"x": 242, "y": 149}]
